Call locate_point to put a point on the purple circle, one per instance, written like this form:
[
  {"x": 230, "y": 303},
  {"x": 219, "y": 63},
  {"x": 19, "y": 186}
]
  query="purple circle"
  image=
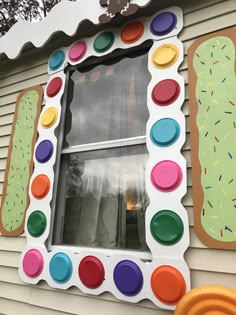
[
  {"x": 44, "y": 151},
  {"x": 163, "y": 23},
  {"x": 128, "y": 278}
]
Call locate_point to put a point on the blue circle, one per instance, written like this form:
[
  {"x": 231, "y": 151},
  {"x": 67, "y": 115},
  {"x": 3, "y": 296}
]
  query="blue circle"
[
  {"x": 56, "y": 60},
  {"x": 128, "y": 278},
  {"x": 165, "y": 132},
  {"x": 60, "y": 268},
  {"x": 44, "y": 151},
  {"x": 164, "y": 23}
]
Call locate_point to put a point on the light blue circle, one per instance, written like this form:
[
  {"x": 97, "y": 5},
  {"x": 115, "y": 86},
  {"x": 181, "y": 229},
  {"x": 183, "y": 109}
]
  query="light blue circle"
[
  {"x": 57, "y": 60},
  {"x": 165, "y": 132},
  {"x": 60, "y": 268}
]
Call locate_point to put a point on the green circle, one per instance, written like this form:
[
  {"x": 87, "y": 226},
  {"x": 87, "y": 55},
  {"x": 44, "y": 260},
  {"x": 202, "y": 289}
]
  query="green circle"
[
  {"x": 37, "y": 223},
  {"x": 167, "y": 227},
  {"x": 104, "y": 42}
]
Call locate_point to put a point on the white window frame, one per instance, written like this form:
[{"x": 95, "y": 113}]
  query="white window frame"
[
  {"x": 160, "y": 255},
  {"x": 109, "y": 144}
]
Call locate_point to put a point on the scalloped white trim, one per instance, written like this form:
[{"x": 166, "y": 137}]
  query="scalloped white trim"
[{"x": 65, "y": 16}]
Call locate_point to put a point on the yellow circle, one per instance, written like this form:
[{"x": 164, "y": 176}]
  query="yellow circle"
[
  {"x": 49, "y": 117},
  {"x": 165, "y": 56}
]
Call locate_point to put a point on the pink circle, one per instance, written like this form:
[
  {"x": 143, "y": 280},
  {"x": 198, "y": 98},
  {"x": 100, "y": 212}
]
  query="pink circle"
[
  {"x": 33, "y": 263},
  {"x": 78, "y": 51},
  {"x": 166, "y": 176}
]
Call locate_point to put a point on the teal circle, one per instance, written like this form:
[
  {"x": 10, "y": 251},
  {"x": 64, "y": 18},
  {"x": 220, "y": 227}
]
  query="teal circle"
[
  {"x": 60, "y": 268},
  {"x": 104, "y": 42},
  {"x": 165, "y": 132},
  {"x": 167, "y": 228},
  {"x": 56, "y": 60}
]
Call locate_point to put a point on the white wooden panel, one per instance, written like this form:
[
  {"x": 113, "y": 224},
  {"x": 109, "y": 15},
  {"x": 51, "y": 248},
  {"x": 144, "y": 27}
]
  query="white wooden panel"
[
  {"x": 19, "y": 86},
  {"x": 4, "y": 141},
  {"x": 5, "y": 130},
  {"x": 24, "y": 75},
  {"x": 9, "y": 307},
  {"x": 2, "y": 176},
  {"x": 9, "y": 99},
  {"x": 3, "y": 153},
  {"x": 209, "y": 26},
  {"x": 8, "y": 109},
  {"x": 209, "y": 13},
  {"x": 5, "y": 120},
  {"x": 2, "y": 165},
  {"x": 193, "y": 6},
  {"x": 214, "y": 260}
]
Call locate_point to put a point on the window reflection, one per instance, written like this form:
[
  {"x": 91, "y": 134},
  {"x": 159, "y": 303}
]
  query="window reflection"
[
  {"x": 109, "y": 102},
  {"x": 106, "y": 198}
]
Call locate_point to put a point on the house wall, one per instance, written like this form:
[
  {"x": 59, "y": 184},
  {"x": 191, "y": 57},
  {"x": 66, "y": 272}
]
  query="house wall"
[{"x": 207, "y": 266}]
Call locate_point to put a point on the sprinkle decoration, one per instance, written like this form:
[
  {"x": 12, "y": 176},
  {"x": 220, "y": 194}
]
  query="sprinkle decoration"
[{"x": 213, "y": 62}]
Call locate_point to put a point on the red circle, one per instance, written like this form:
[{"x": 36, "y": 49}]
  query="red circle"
[
  {"x": 91, "y": 272},
  {"x": 166, "y": 92},
  {"x": 40, "y": 186},
  {"x": 168, "y": 285},
  {"x": 54, "y": 87},
  {"x": 132, "y": 32}
]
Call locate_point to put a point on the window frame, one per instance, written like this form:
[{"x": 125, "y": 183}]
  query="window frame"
[
  {"x": 161, "y": 255},
  {"x": 88, "y": 147}
]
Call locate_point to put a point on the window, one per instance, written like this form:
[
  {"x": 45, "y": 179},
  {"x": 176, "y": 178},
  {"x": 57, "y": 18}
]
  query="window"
[{"x": 101, "y": 192}]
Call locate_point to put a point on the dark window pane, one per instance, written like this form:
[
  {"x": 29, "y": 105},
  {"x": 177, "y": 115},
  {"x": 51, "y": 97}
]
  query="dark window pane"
[
  {"x": 106, "y": 198},
  {"x": 109, "y": 102}
]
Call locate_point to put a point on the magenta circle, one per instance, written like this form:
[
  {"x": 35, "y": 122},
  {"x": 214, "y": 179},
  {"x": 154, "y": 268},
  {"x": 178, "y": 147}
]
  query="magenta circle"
[
  {"x": 33, "y": 263},
  {"x": 78, "y": 51},
  {"x": 166, "y": 176}
]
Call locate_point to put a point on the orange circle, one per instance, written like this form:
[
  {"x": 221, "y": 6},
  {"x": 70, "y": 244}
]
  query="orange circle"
[
  {"x": 49, "y": 117},
  {"x": 40, "y": 186},
  {"x": 132, "y": 32},
  {"x": 168, "y": 285}
]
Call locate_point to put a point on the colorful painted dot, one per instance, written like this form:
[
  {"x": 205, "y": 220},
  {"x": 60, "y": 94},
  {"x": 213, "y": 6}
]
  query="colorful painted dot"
[
  {"x": 33, "y": 263},
  {"x": 165, "y": 132},
  {"x": 167, "y": 227},
  {"x": 165, "y": 92},
  {"x": 44, "y": 151},
  {"x": 168, "y": 285},
  {"x": 165, "y": 56},
  {"x": 56, "y": 60},
  {"x": 49, "y": 117},
  {"x": 166, "y": 176},
  {"x": 128, "y": 278},
  {"x": 163, "y": 24},
  {"x": 60, "y": 268},
  {"x": 78, "y": 51},
  {"x": 40, "y": 186},
  {"x": 104, "y": 42},
  {"x": 132, "y": 32},
  {"x": 36, "y": 223},
  {"x": 91, "y": 272},
  {"x": 54, "y": 87}
]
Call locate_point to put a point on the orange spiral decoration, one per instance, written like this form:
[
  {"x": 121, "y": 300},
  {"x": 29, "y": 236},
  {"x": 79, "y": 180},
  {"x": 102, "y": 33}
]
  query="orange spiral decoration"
[{"x": 208, "y": 300}]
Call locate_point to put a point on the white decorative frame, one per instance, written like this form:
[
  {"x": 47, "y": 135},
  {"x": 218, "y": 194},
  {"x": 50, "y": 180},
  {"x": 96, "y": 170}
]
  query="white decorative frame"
[{"x": 161, "y": 255}]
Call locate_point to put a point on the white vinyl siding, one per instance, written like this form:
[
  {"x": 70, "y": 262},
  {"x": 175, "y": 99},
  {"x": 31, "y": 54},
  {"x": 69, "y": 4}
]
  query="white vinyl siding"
[{"x": 207, "y": 266}]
